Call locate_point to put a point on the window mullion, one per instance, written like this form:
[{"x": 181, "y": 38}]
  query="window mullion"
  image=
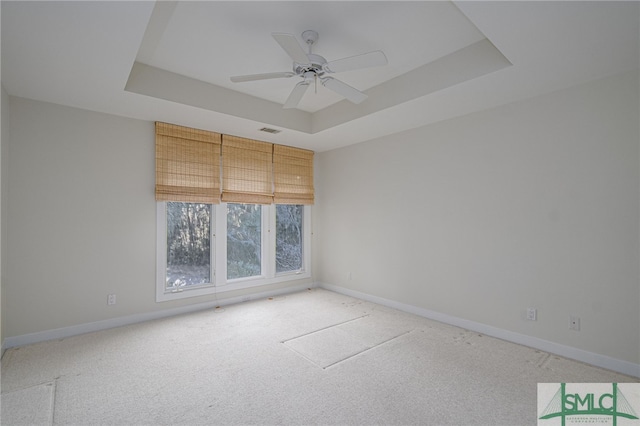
[
  {"x": 221, "y": 244},
  {"x": 270, "y": 241},
  {"x": 212, "y": 244}
]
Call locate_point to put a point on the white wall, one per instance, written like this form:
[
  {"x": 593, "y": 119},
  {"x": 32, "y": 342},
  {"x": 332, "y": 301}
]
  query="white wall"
[
  {"x": 533, "y": 204},
  {"x": 80, "y": 220},
  {"x": 4, "y": 141}
]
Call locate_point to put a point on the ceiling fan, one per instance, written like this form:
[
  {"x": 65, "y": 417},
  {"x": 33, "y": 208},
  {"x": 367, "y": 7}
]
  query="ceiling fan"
[{"x": 311, "y": 67}]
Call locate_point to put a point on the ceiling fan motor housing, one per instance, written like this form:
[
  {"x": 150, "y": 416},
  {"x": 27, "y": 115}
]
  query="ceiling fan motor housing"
[{"x": 314, "y": 66}]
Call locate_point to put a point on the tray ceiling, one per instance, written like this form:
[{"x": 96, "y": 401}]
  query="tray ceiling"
[{"x": 171, "y": 61}]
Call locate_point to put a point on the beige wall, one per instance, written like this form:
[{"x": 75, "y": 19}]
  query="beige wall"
[
  {"x": 81, "y": 220},
  {"x": 533, "y": 204},
  {"x": 4, "y": 142}
]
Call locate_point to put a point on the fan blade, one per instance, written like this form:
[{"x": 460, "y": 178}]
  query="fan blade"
[
  {"x": 292, "y": 47},
  {"x": 371, "y": 59},
  {"x": 253, "y": 77},
  {"x": 344, "y": 89},
  {"x": 296, "y": 95}
]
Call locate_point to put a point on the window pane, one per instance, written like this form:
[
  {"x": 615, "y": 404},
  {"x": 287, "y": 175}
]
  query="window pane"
[
  {"x": 288, "y": 238},
  {"x": 188, "y": 244},
  {"x": 244, "y": 240}
]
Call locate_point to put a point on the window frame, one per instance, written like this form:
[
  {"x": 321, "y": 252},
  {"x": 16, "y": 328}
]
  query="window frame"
[{"x": 218, "y": 252}]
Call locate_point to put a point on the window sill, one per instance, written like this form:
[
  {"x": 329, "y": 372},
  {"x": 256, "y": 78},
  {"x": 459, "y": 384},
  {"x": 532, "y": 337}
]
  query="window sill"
[{"x": 239, "y": 284}]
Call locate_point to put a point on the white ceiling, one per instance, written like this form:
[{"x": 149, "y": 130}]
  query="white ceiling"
[{"x": 171, "y": 61}]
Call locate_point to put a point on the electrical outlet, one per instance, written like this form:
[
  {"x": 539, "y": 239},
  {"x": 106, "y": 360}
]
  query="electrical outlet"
[
  {"x": 532, "y": 314},
  {"x": 111, "y": 299},
  {"x": 574, "y": 323}
]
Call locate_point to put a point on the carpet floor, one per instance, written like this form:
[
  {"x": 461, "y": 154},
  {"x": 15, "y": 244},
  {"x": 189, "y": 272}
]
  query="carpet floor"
[{"x": 309, "y": 358}]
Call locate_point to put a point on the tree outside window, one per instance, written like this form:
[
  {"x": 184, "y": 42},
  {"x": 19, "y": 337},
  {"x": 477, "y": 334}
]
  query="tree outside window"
[
  {"x": 188, "y": 244},
  {"x": 289, "y": 232}
]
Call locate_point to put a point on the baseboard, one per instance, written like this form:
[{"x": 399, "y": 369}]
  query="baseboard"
[
  {"x": 59, "y": 333},
  {"x": 603, "y": 361}
]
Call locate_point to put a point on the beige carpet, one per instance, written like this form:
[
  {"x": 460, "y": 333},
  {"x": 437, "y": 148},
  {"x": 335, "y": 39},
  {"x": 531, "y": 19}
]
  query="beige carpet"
[
  {"x": 31, "y": 406},
  {"x": 314, "y": 357}
]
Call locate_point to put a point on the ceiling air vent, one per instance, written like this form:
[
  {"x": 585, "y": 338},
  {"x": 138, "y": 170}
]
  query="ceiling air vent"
[{"x": 269, "y": 130}]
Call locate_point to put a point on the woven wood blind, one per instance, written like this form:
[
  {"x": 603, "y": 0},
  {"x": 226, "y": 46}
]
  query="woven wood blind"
[
  {"x": 187, "y": 164},
  {"x": 292, "y": 175},
  {"x": 246, "y": 171}
]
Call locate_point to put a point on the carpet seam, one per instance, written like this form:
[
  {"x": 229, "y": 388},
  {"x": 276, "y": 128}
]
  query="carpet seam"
[
  {"x": 367, "y": 349},
  {"x": 54, "y": 384},
  {"x": 544, "y": 360},
  {"x": 27, "y": 387},
  {"x": 303, "y": 356},
  {"x": 324, "y": 328}
]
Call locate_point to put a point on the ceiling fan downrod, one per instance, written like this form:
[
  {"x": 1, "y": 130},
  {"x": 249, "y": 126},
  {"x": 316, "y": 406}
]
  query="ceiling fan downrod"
[{"x": 310, "y": 37}]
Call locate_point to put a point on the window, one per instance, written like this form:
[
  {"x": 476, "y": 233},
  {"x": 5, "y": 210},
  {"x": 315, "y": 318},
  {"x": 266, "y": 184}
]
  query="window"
[
  {"x": 205, "y": 246},
  {"x": 289, "y": 238},
  {"x": 193, "y": 260},
  {"x": 244, "y": 240},
  {"x": 188, "y": 245}
]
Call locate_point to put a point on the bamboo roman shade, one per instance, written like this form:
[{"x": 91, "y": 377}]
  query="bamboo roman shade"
[
  {"x": 187, "y": 164},
  {"x": 188, "y": 169},
  {"x": 292, "y": 175},
  {"x": 246, "y": 171}
]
